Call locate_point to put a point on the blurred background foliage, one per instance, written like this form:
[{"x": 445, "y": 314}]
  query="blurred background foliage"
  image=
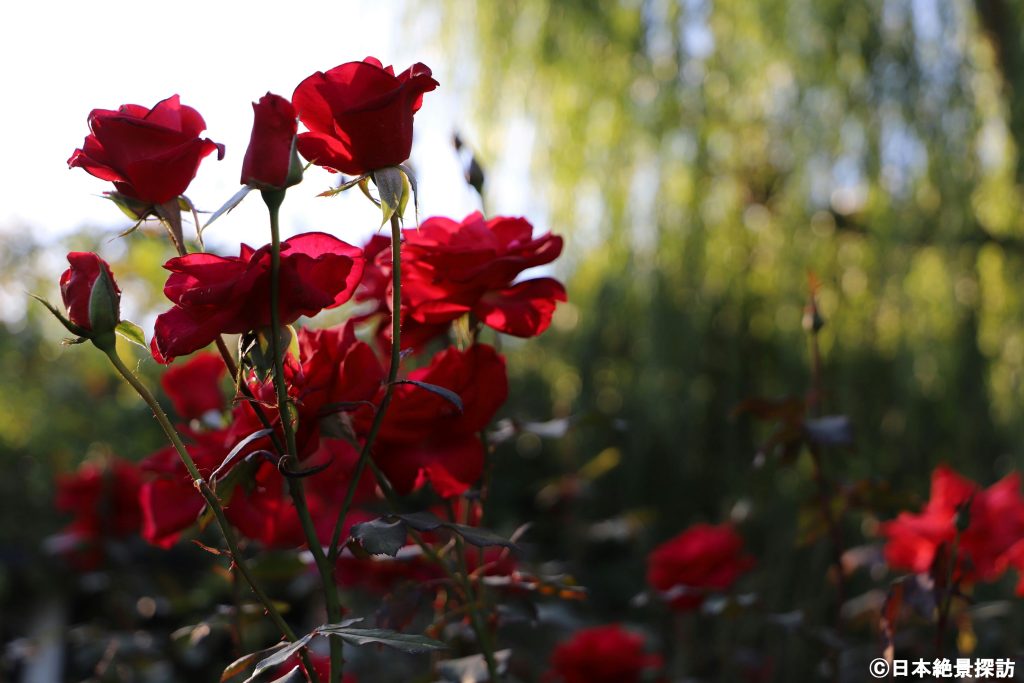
[{"x": 701, "y": 158}]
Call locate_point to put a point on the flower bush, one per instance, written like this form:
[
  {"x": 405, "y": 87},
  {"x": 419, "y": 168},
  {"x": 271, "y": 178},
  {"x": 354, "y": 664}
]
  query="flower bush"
[{"x": 359, "y": 458}]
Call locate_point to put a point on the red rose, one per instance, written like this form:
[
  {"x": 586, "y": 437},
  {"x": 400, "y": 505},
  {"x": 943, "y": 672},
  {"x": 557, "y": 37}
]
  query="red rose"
[
  {"x": 995, "y": 519},
  {"x": 336, "y": 368},
  {"x": 194, "y": 388},
  {"x": 359, "y": 115},
  {"x": 450, "y": 269},
  {"x": 77, "y": 286},
  {"x": 149, "y": 154},
  {"x": 424, "y": 438},
  {"x": 263, "y": 510},
  {"x": 170, "y": 502},
  {"x": 702, "y": 559},
  {"x": 230, "y": 295},
  {"x": 269, "y": 155},
  {"x": 603, "y": 654},
  {"x": 104, "y": 502}
]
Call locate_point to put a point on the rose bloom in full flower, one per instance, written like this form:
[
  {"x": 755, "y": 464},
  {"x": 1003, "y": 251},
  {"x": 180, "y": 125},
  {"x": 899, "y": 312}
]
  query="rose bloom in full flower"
[
  {"x": 149, "y": 154},
  {"x": 703, "y": 559},
  {"x": 215, "y": 295}
]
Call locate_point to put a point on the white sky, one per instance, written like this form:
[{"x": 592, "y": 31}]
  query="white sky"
[{"x": 62, "y": 59}]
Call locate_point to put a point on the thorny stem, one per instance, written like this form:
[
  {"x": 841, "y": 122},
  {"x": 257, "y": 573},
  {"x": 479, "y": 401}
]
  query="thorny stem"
[
  {"x": 461, "y": 581},
  {"x": 396, "y": 359},
  {"x": 273, "y": 201},
  {"x": 211, "y": 500}
]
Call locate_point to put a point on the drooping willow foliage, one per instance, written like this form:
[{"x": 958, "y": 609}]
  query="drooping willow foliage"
[{"x": 703, "y": 156}]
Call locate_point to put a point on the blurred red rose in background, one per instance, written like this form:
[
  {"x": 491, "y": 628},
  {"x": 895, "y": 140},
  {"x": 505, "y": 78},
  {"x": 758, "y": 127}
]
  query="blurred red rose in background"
[
  {"x": 359, "y": 115},
  {"x": 104, "y": 500},
  {"x": 703, "y": 559},
  {"x": 194, "y": 387},
  {"x": 149, "y": 154},
  {"x": 994, "y": 520},
  {"x": 603, "y": 654}
]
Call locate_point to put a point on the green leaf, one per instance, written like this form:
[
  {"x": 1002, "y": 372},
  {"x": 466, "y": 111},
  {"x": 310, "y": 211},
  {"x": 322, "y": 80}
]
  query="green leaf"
[
  {"x": 230, "y": 204},
  {"x": 481, "y": 537},
  {"x": 478, "y": 536},
  {"x": 446, "y": 394},
  {"x": 244, "y": 662},
  {"x": 131, "y": 332},
  {"x": 422, "y": 521},
  {"x": 279, "y": 657},
  {"x": 399, "y": 641},
  {"x": 381, "y": 537}
]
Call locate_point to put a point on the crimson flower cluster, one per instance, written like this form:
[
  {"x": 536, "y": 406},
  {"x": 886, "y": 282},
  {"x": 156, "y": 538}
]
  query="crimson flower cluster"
[{"x": 987, "y": 526}]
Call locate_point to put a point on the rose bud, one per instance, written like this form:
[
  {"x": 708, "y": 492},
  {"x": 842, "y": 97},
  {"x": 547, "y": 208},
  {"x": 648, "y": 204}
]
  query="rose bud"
[
  {"x": 91, "y": 296},
  {"x": 359, "y": 115},
  {"x": 271, "y": 162},
  {"x": 151, "y": 155}
]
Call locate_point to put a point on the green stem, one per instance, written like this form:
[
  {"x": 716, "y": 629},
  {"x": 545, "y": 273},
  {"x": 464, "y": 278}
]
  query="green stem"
[
  {"x": 211, "y": 500},
  {"x": 273, "y": 201},
  {"x": 396, "y": 359}
]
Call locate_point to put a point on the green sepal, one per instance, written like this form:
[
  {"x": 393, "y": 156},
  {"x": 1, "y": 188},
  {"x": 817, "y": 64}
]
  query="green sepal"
[
  {"x": 104, "y": 305},
  {"x": 135, "y": 209},
  {"x": 68, "y": 325},
  {"x": 393, "y": 188}
]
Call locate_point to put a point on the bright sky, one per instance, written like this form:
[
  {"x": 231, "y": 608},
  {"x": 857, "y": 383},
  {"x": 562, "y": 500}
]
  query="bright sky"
[{"x": 62, "y": 59}]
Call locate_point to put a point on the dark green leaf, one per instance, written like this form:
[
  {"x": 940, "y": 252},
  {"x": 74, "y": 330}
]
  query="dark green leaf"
[
  {"x": 481, "y": 537},
  {"x": 259, "y": 434},
  {"x": 381, "y": 537},
  {"x": 399, "y": 641},
  {"x": 446, "y": 394},
  {"x": 279, "y": 657},
  {"x": 422, "y": 521}
]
